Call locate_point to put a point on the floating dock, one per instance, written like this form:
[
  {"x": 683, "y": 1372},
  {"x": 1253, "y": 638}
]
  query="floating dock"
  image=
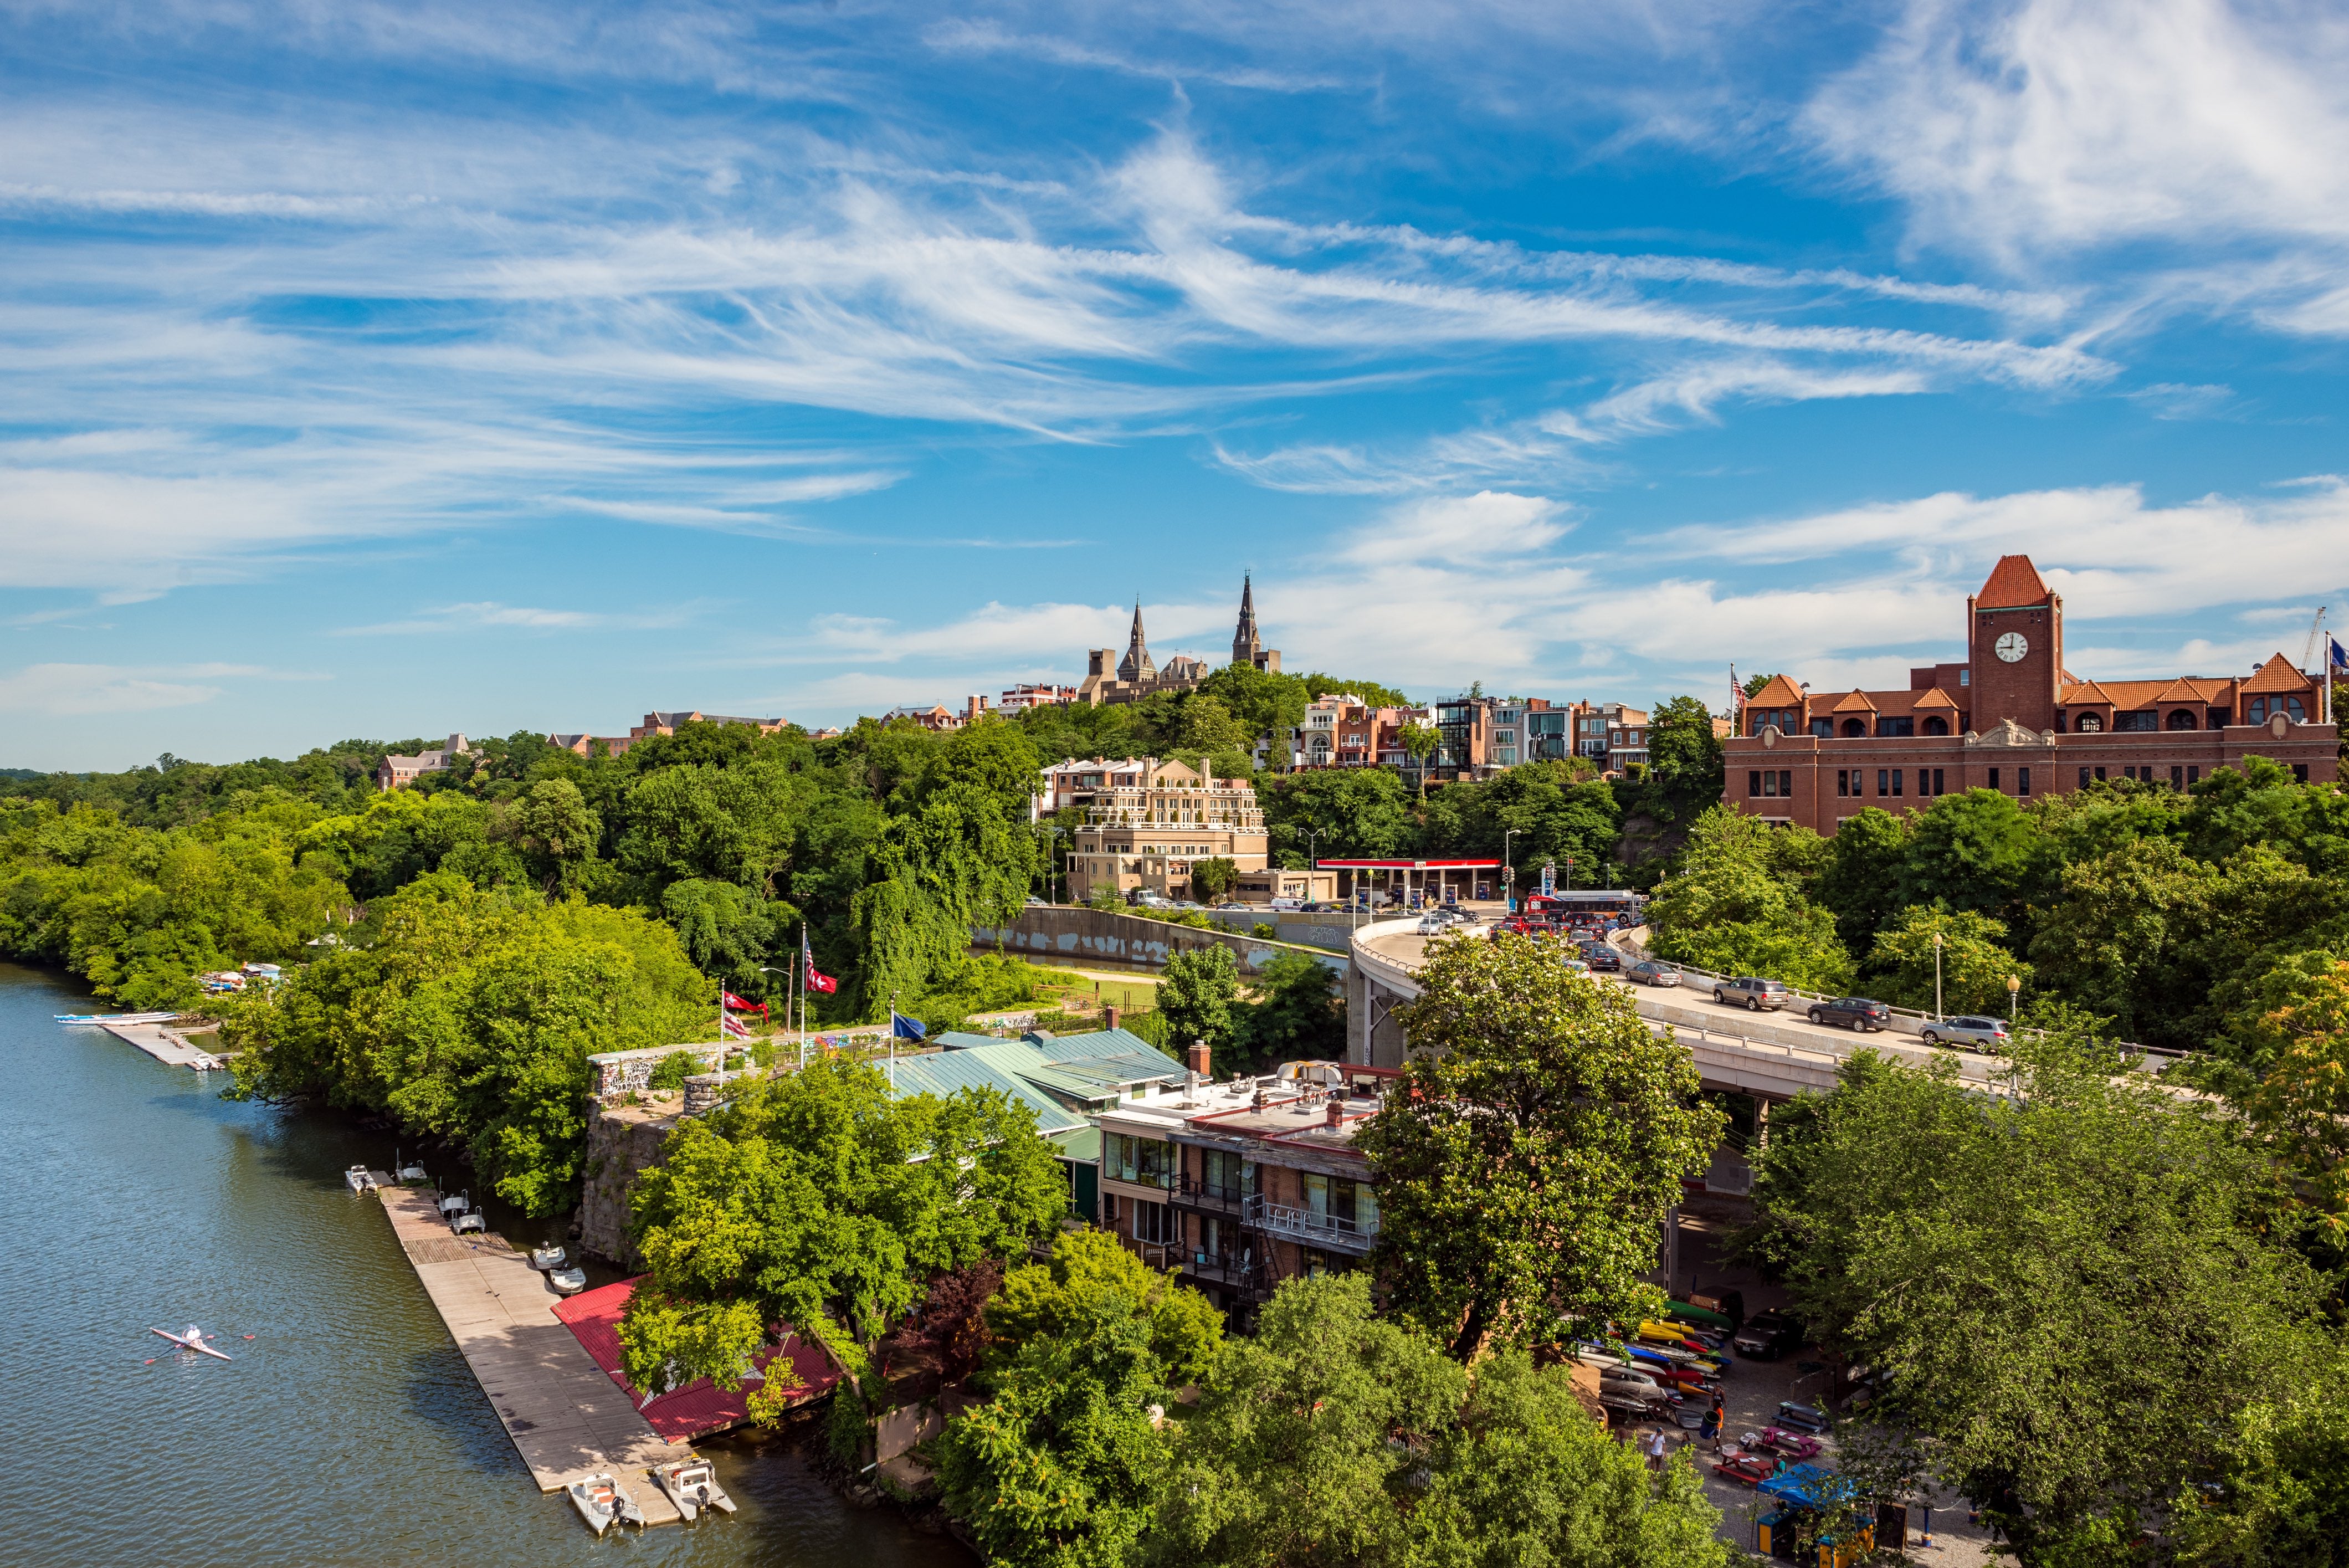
[
  {"x": 156, "y": 1040},
  {"x": 563, "y": 1413}
]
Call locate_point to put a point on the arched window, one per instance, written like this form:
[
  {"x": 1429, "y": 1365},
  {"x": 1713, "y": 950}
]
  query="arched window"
[
  {"x": 1937, "y": 726},
  {"x": 2181, "y": 718},
  {"x": 2292, "y": 706},
  {"x": 2089, "y": 725},
  {"x": 1855, "y": 726}
]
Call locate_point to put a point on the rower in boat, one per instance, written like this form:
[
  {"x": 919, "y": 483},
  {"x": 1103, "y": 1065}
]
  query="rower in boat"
[{"x": 193, "y": 1339}]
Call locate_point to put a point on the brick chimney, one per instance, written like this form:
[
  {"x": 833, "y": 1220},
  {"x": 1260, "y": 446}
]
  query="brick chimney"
[
  {"x": 1109, "y": 1017},
  {"x": 1336, "y": 1111},
  {"x": 1196, "y": 1058}
]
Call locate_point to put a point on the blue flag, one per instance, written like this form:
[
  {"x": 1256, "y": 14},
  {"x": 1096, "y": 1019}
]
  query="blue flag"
[
  {"x": 903, "y": 1028},
  {"x": 2340, "y": 654}
]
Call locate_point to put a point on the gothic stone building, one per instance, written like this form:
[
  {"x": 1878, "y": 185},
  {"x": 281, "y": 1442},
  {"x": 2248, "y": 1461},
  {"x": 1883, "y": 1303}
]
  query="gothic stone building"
[
  {"x": 2012, "y": 718},
  {"x": 1137, "y": 675}
]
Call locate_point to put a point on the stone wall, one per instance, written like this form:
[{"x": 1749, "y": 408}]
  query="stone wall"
[
  {"x": 621, "y": 1141},
  {"x": 1075, "y": 933},
  {"x": 619, "y": 1072}
]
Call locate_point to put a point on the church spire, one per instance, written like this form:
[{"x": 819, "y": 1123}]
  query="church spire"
[
  {"x": 1137, "y": 664},
  {"x": 1244, "y": 643}
]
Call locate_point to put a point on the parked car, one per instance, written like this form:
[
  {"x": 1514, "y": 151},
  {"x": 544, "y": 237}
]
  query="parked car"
[
  {"x": 1982, "y": 1034},
  {"x": 1855, "y": 1011},
  {"x": 1234, "y": 905},
  {"x": 1749, "y": 993},
  {"x": 1603, "y": 958},
  {"x": 1432, "y": 925},
  {"x": 1768, "y": 1335},
  {"x": 1648, "y": 971}
]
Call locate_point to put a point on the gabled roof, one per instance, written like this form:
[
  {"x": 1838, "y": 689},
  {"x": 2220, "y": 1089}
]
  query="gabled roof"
[
  {"x": 2013, "y": 581},
  {"x": 1780, "y": 693},
  {"x": 2182, "y": 691},
  {"x": 1934, "y": 697},
  {"x": 2276, "y": 675},
  {"x": 1857, "y": 702},
  {"x": 2084, "y": 692}
]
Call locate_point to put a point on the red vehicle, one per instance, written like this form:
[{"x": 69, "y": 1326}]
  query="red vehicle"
[{"x": 1747, "y": 1469}]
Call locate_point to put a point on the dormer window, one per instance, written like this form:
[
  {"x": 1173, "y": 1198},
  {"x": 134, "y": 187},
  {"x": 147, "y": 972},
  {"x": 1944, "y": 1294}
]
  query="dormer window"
[{"x": 2088, "y": 725}]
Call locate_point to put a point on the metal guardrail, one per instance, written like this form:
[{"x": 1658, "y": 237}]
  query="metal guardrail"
[
  {"x": 1628, "y": 940},
  {"x": 1193, "y": 1193},
  {"x": 1282, "y": 1219}
]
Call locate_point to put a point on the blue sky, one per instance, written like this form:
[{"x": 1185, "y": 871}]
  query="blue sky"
[{"x": 388, "y": 370}]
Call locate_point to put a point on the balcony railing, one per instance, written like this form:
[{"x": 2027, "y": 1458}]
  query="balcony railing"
[
  {"x": 1250, "y": 1279},
  {"x": 1159, "y": 1179},
  {"x": 1303, "y": 1224},
  {"x": 1194, "y": 1193}
]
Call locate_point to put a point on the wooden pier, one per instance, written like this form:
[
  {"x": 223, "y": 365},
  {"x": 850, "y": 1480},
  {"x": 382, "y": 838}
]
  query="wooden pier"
[
  {"x": 159, "y": 1042},
  {"x": 565, "y": 1416}
]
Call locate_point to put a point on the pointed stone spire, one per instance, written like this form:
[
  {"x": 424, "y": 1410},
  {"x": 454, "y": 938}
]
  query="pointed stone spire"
[
  {"x": 1244, "y": 643},
  {"x": 1136, "y": 665}
]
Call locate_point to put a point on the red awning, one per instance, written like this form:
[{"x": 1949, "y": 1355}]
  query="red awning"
[{"x": 701, "y": 1406}]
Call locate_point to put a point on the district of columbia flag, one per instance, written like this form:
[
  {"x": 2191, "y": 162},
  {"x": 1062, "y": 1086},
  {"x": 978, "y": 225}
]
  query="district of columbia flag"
[
  {"x": 739, "y": 1005},
  {"x": 736, "y": 1029}
]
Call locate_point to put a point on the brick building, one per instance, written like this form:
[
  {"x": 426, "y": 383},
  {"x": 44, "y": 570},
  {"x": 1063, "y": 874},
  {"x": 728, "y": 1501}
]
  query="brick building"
[
  {"x": 398, "y": 771},
  {"x": 1243, "y": 1185},
  {"x": 1147, "y": 824},
  {"x": 2014, "y": 719}
]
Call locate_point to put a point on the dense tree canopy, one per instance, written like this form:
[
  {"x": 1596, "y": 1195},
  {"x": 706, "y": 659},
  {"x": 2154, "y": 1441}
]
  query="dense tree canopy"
[
  {"x": 2068, "y": 1291},
  {"x": 818, "y": 1199},
  {"x": 1539, "y": 1132}
]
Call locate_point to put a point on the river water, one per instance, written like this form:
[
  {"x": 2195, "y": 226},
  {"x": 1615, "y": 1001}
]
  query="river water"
[{"x": 348, "y": 1429}]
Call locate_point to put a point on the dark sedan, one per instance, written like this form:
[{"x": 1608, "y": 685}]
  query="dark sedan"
[
  {"x": 1853, "y": 1013},
  {"x": 1603, "y": 958}
]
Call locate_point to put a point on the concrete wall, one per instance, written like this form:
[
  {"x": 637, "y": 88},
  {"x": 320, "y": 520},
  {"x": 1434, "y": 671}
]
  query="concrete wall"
[{"x": 1074, "y": 933}]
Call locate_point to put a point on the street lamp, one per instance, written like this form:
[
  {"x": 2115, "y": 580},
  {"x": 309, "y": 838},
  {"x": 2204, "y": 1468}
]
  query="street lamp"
[
  {"x": 1937, "y": 977},
  {"x": 787, "y": 1012},
  {"x": 1312, "y": 858},
  {"x": 2013, "y": 987},
  {"x": 1508, "y": 874}
]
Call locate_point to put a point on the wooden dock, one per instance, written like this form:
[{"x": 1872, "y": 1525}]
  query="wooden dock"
[
  {"x": 159, "y": 1042},
  {"x": 565, "y": 1416}
]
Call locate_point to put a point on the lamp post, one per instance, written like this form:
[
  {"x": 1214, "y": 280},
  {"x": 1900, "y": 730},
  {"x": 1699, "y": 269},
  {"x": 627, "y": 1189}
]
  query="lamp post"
[
  {"x": 1312, "y": 857},
  {"x": 1508, "y": 874},
  {"x": 1937, "y": 977},
  {"x": 2013, "y": 988},
  {"x": 788, "y": 978}
]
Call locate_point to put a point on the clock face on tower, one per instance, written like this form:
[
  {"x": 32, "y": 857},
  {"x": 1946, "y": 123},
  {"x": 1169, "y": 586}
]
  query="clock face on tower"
[{"x": 2012, "y": 647}]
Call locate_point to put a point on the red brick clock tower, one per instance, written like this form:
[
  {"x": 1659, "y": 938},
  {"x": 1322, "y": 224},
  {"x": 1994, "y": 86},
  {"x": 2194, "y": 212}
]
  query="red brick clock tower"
[{"x": 2014, "y": 645}]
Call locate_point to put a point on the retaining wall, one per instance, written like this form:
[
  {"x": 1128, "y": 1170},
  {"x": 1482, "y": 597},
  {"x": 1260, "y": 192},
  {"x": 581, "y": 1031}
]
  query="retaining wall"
[{"x": 1074, "y": 933}]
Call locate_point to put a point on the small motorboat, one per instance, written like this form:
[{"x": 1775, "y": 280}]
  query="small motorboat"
[
  {"x": 455, "y": 1203},
  {"x": 361, "y": 1177},
  {"x": 692, "y": 1485},
  {"x": 550, "y": 1256},
  {"x": 469, "y": 1221},
  {"x": 405, "y": 1171},
  {"x": 602, "y": 1501},
  {"x": 567, "y": 1282}
]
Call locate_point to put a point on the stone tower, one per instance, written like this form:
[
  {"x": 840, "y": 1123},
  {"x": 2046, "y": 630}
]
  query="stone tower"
[
  {"x": 1136, "y": 665},
  {"x": 1245, "y": 643}
]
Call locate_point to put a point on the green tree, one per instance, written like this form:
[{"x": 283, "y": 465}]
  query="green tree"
[
  {"x": 1296, "y": 1016},
  {"x": 1419, "y": 744},
  {"x": 1262, "y": 703},
  {"x": 1373, "y": 695},
  {"x": 727, "y": 929},
  {"x": 2282, "y": 1495},
  {"x": 559, "y": 829},
  {"x": 2301, "y": 1105},
  {"x": 1580, "y": 1122},
  {"x": 1974, "y": 962},
  {"x": 1058, "y": 1298},
  {"x": 1684, "y": 761},
  {"x": 1860, "y": 884},
  {"x": 1197, "y": 993},
  {"x": 1526, "y": 1476},
  {"x": 2119, "y": 938},
  {"x": 1336, "y": 812},
  {"x": 1979, "y": 851},
  {"x": 1212, "y": 879},
  {"x": 1736, "y": 906},
  {"x": 2069, "y": 1290},
  {"x": 1291, "y": 1459},
  {"x": 817, "y": 1199}
]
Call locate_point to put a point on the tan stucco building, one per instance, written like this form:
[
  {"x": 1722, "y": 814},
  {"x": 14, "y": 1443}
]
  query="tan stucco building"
[{"x": 1147, "y": 822}]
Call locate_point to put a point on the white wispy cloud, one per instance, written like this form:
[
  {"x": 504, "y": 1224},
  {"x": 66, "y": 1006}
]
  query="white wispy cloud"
[{"x": 68, "y": 691}]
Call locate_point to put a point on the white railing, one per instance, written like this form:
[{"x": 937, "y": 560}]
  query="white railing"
[{"x": 1265, "y": 1215}]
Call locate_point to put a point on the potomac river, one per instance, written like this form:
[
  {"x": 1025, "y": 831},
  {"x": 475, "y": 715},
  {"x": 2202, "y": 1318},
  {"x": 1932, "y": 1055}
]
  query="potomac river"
[{"x": 348, "y": 1430}]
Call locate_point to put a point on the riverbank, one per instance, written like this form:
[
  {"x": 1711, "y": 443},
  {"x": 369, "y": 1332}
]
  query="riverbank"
[{"x": 348, "y": 1429}]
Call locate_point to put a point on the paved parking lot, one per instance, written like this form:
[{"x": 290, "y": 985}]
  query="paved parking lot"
[{"x": 1750, "y": 1393}]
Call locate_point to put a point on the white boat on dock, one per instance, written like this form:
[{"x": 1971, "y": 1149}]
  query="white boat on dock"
[
  {"x": 692, "y": 1485},
  {"x": 468, "y": 1221},
  {"x": 602, "y": 1501},
  {"x": 567, "y": 1282},
  {"x": 453, "y": 1203},
  {"x": 548, "y": 1257}
]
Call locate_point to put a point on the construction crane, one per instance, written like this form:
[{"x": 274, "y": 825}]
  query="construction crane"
[{"x": 2315, "y": 639}]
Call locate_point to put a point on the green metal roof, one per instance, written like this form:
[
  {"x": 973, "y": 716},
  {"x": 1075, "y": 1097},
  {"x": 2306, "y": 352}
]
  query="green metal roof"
[{"x": 944, "y": 1072}]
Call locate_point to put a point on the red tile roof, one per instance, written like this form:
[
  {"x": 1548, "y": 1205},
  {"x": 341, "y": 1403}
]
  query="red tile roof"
[
  {"x": 1857, "y": 702},
  {"x": 2276, "y": 675},
  {"x": 2013, "y": 581},
  {"x": 1780, "y": 693},
  {"x": 1934, "y": 697}
]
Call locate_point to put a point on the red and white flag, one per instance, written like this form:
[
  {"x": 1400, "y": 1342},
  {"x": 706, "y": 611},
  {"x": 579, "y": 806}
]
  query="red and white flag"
[
  {"x": 739, "y": 1006},
  {"x": 736, "y": 1029},
  {"x": 816, "y": 981}
]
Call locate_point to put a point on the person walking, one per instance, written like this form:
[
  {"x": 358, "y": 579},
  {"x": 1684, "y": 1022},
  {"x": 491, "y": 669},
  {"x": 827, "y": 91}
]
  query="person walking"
[
  {"x": 1714, "y": 1420},
  {"x": 1655, "y": 1448}
]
